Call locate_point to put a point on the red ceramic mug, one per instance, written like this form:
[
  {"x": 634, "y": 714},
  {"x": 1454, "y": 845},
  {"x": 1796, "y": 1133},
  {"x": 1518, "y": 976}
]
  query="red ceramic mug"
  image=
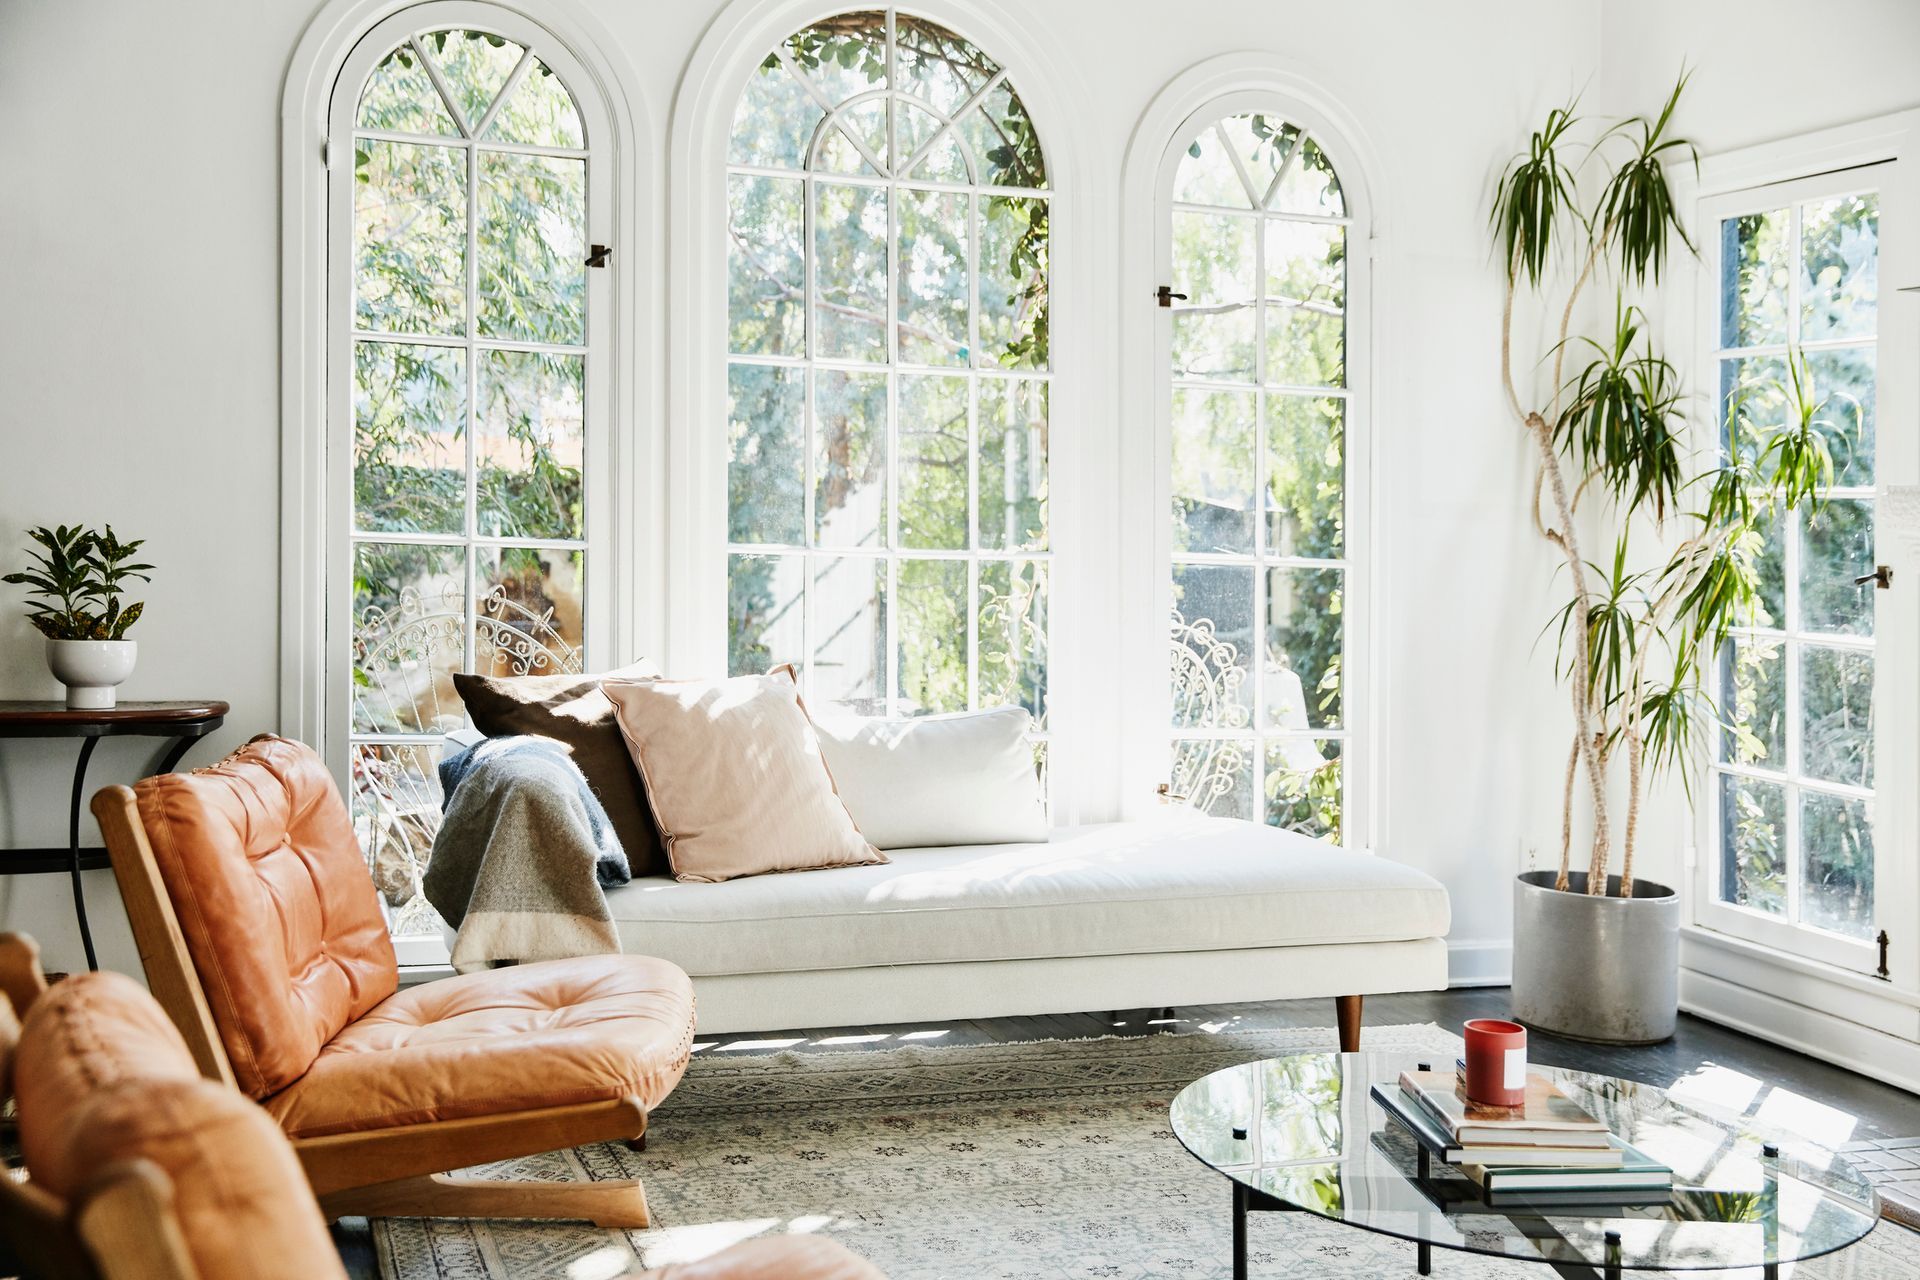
[{"x": 1496, "y": 1062}]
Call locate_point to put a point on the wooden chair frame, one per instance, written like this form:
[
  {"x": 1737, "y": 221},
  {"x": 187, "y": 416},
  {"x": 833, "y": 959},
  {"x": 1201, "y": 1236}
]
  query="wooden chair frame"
[{"x": 401, "y": 1171}]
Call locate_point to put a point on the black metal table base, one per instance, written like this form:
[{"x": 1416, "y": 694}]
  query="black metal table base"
[
  {"x": 1246, "y": 1200},
  {"x": 73, "y": 859}
]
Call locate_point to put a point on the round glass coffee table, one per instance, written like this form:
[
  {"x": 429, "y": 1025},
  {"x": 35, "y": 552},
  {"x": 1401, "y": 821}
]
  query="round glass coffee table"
[{"x": 1303, "y": 1134}]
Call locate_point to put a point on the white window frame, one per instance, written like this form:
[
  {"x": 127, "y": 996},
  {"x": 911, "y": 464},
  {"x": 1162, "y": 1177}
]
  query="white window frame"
[
  {"x": 892, "y": 551},
  {"x": 1221, "y": 87},
  {"x": 1710, "y": 909},
  {"x": 1354, "y": 670},
  {"x": 1082, "y": 716},
  {"x": 313, "y": 167}
]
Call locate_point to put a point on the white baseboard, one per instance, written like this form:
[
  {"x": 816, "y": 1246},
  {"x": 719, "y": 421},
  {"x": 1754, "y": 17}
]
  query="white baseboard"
[
  {"x": 1486, "y": 962},
  {"x": 1813, "y": 1032}
]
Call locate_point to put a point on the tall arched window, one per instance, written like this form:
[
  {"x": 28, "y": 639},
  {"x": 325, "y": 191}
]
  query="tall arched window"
[
  {"x": 466, "y": 399},
  {"x": 888, "y": 372},
  {"x": 1262, "y": 659}
]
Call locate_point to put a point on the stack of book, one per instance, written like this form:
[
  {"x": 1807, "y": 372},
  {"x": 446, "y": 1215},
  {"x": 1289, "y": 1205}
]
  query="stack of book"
[{"x": 1548, "y": 1146}]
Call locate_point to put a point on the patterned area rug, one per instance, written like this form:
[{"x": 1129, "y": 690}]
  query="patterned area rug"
[{"x": 1017, "y": 1161}]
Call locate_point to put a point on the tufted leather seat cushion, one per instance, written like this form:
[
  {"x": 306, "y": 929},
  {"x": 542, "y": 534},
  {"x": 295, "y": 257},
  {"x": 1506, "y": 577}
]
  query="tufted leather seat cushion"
[
  {"x": 102, "y": 1077},
  {"x": 535, "y": 1035},
  {"x": 259, "y": 858},
  {"x": 774, "y": 1258}
]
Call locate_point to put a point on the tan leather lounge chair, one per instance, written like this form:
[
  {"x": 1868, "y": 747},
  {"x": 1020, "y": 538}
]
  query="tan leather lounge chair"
[
  {"x": 140, "y": 1169},
  {"x": 258, "y": 925}
]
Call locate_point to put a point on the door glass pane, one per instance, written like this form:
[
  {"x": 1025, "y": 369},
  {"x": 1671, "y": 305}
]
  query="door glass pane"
[
  {"x": 1840, "y": 267},
  {"x": 410, "y": 238},
  {"x": 1757, "y": 255},
  {"x": 410, "y": 634},
  {"x": 1305, "y": 476},
  {"x": 1213, "y": 647},
  {"x": 530, "y": 614},
  {"x": 1215, "y": 775},
  {"x": 1213, "y": 470},
  {"x": 1306, "y": 303},
  {"x": 1304, "y": 634},
  {"x": 1836, "y": 546},
  {"x": 1843, "y": 381},
  {"x": 1303, "y": 786},
  {"x": 1753, "y": 818},
  {"x": 540, "y": 112},
  {"x": 1213, "y": 331},
  {"x": 409, "y": 438},
  {"x": 531, "y": 445},
  {"x": 532, "y": 243},
  {"x": 1836, "y": 883},
  {"x": 1836, "y": 698},
  {"x": 1754, "y": 697}
]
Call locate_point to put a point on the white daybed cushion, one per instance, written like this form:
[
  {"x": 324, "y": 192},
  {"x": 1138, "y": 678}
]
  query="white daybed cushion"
[
  {"x": 1176, "y": 882},
  {"x": 967, "y": 778}
]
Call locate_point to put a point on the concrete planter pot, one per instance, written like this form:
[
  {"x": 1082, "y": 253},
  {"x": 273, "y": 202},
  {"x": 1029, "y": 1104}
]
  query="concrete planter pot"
[
  {"x": 1600, "y": 969},
  {"x": 91, "y": 669}
]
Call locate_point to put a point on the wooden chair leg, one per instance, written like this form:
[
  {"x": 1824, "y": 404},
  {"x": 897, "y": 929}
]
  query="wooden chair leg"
[
  {"x": 616, "y": 1203},
  {"x": 1347, "y": 1010}
]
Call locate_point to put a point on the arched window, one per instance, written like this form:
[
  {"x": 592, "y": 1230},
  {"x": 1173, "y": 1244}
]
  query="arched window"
[
  {"x": 465, "y": 399},
  {"x": 1263, "y": 661},
  {"x": 888, "y": 371}
]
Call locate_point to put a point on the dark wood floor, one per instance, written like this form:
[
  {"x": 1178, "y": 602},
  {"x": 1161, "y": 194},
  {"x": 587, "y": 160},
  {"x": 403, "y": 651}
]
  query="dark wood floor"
[{"x": 1736, "y": 1069}]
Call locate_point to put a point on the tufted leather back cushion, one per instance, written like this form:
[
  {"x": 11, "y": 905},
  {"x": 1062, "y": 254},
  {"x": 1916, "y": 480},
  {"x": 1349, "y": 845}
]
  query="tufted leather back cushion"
[
  {"x": 279, "y": 913},
  {"x": 102, "y": 1077}
]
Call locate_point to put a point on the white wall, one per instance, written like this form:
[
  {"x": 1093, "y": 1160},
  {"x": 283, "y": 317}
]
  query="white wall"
[{"x": 138, "y": 350}]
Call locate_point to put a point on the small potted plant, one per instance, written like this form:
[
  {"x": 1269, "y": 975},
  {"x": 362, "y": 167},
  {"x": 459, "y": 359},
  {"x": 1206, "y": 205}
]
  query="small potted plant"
[{"x": 74, "y": 589}]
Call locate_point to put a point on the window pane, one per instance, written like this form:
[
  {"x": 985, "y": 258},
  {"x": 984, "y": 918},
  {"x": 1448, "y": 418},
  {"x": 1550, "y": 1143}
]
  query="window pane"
[
  {"x": 1213, "y": 264},
  {"x": 944, "y": 160},
  {"x": 1213, "y": 471},
  {"x": 395, "y": 806},
  {"x": 933, "y": 462},
  {"x": 409, "y": 637},
  {"x": 1306, "y": 477},
  {"x": 1215, "y": 775},
  {"x": 932, "y": 656},
  {"x": 1307, "y": 297},
  {"x": 1305, "y": 632},
  {"x": 1840, "y": 267},
  {"x": 1310, "y": 186},
  {"x": 1012, "y": 636},
  {"x": 1756, "y": 260},
  {"x": 766, "y": 453},
  {"x": 529, "y": 618},
  {"x": 1753, "y": 699},
  {"x": 400, "y": 98},
  {"x": 1753, "y": 818},
  {"x": 533, "y": 245},
  {"x": 855, "y": 142},
  {"x": 410, "y": 237},
  {"x": 850, "y": 459},
  {"x": 936, "y": 66},
  {"x": 1843, "y": 378},
  {"x": 1013, "y": 282},
  {"x": 1836, "y": 880},
  {"x": 1303, "y": 787},
  {"x": 850, "y": 272},
  {"x": 775, "y": 120},
  {"x": 1767, "y": 545},
  {"x": 1836, "y": 697},
  {"x": 933, "y": 277},
  {"x": 409, "y": 448},
  {"x": 1212, "y": 646},
  {"x": 540, "y": 112},
  {"x": 766, "y": 599},
  {"x": 1013, "y": 464},
  {"x": 532, "y": 445},
  {"x": 475, "y": 66},
  {"x": 1836, "y": 546},
  {"x": 1005, "y": 148},
  {"x": 1264, "y": 144},
  {"x": 850, "y": 632},
  {"x": 844, "y": 57},
  {"x": 766, "y": 274},
  {"x": 1207, "y": 176}
]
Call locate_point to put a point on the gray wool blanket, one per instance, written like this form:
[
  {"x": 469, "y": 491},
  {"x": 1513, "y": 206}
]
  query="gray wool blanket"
[{"x": 522, "y": 857}]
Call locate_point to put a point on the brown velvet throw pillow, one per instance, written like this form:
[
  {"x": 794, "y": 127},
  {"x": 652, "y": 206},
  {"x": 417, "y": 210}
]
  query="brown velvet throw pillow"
[{"x": 571, "y": 710}]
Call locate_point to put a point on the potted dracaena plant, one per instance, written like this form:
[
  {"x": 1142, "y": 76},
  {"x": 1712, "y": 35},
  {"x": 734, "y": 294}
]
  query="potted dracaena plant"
[
  {"x": 74, "y": 590},
  {"x": 1596, "y": 954}
]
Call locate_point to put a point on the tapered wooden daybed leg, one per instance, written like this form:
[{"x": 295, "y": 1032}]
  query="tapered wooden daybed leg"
[{"x": 1347, "y": 1010}]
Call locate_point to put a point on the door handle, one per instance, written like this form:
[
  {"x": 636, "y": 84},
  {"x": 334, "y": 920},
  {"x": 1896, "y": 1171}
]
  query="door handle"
[
  {"x": 1881, "y": 577},
  {"x": 1165, "y": 295}
]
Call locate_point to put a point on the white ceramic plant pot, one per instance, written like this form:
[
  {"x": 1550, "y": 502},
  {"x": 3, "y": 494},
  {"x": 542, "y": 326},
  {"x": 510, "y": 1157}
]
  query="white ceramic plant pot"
[{"x": 90, "y": 669}]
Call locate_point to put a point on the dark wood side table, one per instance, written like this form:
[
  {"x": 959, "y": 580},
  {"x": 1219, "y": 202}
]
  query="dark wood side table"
[{"x": 184, "y": 722}]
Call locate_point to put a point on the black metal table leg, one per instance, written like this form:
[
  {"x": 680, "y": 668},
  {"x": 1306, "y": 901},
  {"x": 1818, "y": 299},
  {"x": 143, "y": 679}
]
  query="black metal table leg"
[
  {"x": 1239, "y": 1232},
  {"x": 1423, "y": 1258},
  {"x": 73, "y": 846},
  {"x": 174, "y": 753}
]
